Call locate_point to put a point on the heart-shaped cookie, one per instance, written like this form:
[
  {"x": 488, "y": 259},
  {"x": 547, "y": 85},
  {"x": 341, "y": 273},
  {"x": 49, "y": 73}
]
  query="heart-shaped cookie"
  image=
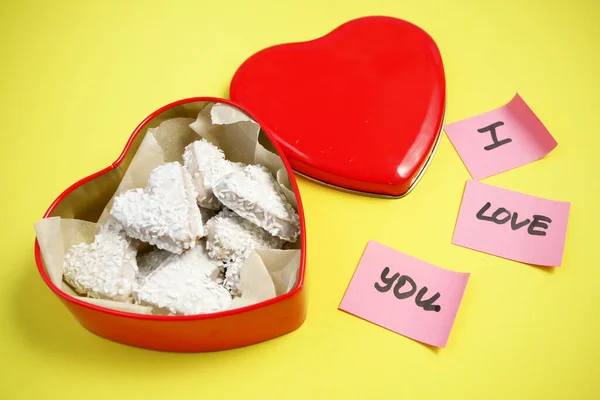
[
  {"x": 181, "y": 284},
  {"x": 164, "y": 214},
  {"x": 105, "y": 268},
  {"x": 360, "y": 108},
  {"x": 206, "y": 164},
  {"x": 230, "y": 239},
  {"x": 254, "y": 194}
]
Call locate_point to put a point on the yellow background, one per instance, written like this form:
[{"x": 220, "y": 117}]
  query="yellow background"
[{"x": 77, "y": 77}]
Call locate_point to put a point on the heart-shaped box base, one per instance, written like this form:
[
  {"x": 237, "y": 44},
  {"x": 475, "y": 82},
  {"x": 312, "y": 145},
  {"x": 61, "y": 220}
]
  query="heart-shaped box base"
[
  {"x": 86, "y": 200},
  {"x": 360, "y": 108}
]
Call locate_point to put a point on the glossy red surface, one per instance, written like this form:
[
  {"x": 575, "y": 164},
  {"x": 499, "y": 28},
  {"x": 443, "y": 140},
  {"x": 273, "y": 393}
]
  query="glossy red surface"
[
  {"x": 209, "y": 332},
  {"x": 360, "y": 108}
]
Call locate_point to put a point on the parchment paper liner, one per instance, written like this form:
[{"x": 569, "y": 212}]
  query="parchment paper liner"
[{"x": 264, "y": 275}]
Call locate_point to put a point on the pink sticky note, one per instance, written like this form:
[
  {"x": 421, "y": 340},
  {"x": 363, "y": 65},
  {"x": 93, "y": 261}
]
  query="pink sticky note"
[
  {"x": 392, "y": 289},
  {"x": 512, "y": 225},
  {"x": 501, "y": 139}
]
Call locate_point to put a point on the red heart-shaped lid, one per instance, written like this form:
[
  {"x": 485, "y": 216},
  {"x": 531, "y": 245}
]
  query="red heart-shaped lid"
[{"x": 360, "y": 108}]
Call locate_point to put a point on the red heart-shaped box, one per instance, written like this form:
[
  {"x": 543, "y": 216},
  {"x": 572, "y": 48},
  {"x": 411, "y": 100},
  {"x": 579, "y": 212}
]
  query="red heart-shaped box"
[
  {"x": 360, "y": 108},
  {"x": 87, "y": 198}
]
